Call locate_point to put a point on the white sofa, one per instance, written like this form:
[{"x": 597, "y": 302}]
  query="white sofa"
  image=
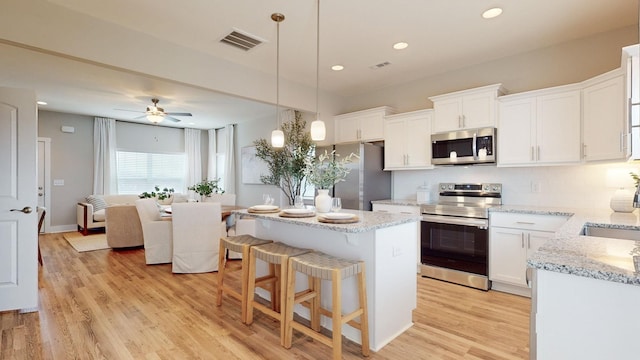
[{"x": 88, "y": 218}]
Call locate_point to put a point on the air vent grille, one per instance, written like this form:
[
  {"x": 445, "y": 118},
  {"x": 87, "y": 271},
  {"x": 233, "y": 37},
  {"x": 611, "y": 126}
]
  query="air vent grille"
[
  {"x": 241, "y": 40},
  {"x": 380, "y": 65}
]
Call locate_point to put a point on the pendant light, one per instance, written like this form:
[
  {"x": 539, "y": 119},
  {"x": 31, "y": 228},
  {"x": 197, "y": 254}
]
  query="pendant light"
[
  {"x": 318, "y": 131},
  {"x": 277, "y": 136}
]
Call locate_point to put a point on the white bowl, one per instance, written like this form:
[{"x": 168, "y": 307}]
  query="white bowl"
[
  {"x": 338, "y": 216},
  {"x": 264, "y": 207}
]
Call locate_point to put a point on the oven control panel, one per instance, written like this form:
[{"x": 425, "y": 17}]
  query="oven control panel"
[{"x": 471, "y": 188}]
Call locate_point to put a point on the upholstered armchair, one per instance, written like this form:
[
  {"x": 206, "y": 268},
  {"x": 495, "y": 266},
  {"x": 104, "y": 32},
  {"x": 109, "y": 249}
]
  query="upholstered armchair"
[
  {"x": 196, "y": 236},
  {"x": 122, "y": 226},
  {"x": 157, "y": 232}
]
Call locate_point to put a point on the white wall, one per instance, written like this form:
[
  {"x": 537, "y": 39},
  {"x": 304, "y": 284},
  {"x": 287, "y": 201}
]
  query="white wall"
[{"x": 582, "y": 186}]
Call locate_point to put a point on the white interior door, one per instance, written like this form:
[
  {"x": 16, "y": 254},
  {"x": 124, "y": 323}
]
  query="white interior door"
[
  {"x": 44, "y": 182},
  {"x": 18, "y": 200}
]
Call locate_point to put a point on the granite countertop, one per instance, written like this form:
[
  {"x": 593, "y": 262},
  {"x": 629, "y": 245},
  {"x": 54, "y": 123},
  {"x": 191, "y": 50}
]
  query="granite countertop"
[
  {"x": 404, "y": 202},
  {"x": 594, "y": 257},
  {"x": 369, "y": 220}
]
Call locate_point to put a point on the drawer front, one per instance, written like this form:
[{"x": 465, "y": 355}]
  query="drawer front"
[
  {"x": 527, "y": 221},
  {"x": 397, "y": 209}
]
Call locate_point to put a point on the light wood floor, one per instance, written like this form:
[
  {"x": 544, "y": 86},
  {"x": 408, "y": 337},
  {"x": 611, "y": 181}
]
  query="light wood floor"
[{"x": 110, "y": 305}]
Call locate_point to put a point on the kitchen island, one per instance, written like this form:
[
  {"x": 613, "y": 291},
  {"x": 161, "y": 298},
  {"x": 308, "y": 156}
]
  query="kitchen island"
[
  {"x": 585, "y": 289},
  {"x": 387, "y": 245}
]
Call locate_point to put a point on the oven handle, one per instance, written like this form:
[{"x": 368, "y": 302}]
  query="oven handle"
[{"x": 479, "y": 223}]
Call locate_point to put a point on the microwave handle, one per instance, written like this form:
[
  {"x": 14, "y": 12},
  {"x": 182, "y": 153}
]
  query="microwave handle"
[{"x": 475, "y": 146}]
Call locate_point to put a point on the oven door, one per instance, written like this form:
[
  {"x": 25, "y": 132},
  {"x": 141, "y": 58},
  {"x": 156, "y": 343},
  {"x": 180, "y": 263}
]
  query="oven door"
[{"x": 455, "y": 243}]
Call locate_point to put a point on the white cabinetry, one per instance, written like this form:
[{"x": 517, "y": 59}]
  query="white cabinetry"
[
  {"x": 512, "y": 238},
  {"x": 365, "y": 125},
  {"x": 467, "y": 109},
  {"x": 605, "y": 127},
  {"x": 407, "y": 210},
  {"x": 407, "y": 140},
  {"x": 540, "y": 127}
]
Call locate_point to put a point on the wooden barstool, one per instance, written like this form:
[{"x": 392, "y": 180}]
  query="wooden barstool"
[
  {"x": 318, "y": 266},
  {"x": 276, "y": 255},
  {"x": 241, "y": 244}
]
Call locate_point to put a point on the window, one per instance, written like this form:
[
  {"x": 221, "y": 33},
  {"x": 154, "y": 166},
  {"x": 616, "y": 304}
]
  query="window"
[{"x": 139, "y": 172}]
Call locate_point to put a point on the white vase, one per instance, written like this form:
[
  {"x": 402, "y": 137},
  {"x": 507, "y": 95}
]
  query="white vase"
[{"x": 323, "y": 201}]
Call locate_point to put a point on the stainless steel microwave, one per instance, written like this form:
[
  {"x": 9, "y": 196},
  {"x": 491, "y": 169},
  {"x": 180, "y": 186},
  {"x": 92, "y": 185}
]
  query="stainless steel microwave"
[{"x": 473, "y": 146}]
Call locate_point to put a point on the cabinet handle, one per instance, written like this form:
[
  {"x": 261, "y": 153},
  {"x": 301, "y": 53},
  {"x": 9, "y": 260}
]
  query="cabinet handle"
[
  {"x": 621, "y": 141},
  {"x": 525, "y": 223},
  {"x": 464, "y": 118},
  {"x": 584, "y": 151},
  {"x": 528, "y": 241},
  {"x": 532, "y": 155},
  {"x": 538, "y": 155},
  {"x": 459, "y": 121},
  {"x": 407, "y": 161},
  {"x": 522, "y": 237}
]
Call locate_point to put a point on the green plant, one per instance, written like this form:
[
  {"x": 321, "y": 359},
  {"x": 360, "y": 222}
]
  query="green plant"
[
  {"x": 635, "y": 177},
  {"x": 325, "y": 171},
  {"x": 158, "y": 194},
  {"x": 207, "y": 187},
  {"x": 286, "y": 165}
]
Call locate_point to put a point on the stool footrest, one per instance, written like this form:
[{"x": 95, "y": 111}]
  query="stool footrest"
[
  {"x": 312, "y": 333},
  {"x": 304, "y": 296}
]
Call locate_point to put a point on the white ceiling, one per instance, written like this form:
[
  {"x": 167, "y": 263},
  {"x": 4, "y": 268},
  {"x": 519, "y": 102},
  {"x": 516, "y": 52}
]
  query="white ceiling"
[{"x": 443, "y": 35}]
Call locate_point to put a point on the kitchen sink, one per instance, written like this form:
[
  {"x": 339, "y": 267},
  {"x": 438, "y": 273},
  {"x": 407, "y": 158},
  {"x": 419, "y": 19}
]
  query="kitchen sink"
[{"x": 611, "y": 233}]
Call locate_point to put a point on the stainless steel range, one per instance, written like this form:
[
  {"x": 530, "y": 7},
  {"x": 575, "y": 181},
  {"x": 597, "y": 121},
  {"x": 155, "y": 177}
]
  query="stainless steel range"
[{"x": 455, "y": 234}]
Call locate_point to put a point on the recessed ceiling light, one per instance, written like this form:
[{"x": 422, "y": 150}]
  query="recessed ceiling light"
[
  {"x": 337, "y": 67},
  {"x": 41, "y": 102},
  {"x": 400, "y": 45},
  {"x": 491, "y": 13}
]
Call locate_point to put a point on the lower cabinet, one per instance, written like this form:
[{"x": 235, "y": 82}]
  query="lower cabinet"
[
  {"x": 402, "y": 209},
  {"x": 513, "y": 237}
]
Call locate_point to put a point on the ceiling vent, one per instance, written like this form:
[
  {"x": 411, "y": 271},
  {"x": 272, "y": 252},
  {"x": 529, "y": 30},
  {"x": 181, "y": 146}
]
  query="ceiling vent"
[
  {"x": 242, "y": 40},
  {"x": 381, "y": 65}
]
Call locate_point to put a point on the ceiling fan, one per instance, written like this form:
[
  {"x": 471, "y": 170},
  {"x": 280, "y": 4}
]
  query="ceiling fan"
[{"x": 156, "y": 114}]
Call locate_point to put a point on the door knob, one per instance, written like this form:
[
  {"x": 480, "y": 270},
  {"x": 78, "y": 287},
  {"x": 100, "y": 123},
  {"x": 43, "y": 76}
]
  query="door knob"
[
  {"x": 26, "y": 210},
  {"x": 40, "y": 194}
]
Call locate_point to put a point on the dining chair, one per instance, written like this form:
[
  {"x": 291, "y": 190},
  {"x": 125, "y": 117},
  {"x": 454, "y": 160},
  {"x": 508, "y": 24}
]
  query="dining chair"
[
  {"x": 157, "y": 232},
  {"x": 196, "y": 237}
]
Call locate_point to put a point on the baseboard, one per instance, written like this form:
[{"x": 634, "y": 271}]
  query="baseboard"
[
  {"x": 63, "y": 228},
  {"x": 511, "y": 289}
]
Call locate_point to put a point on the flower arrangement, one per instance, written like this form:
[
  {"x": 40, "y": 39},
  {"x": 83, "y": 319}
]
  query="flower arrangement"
[
  {"x": 635, "y": 178},
  {"x": 207, "y": 187},
  {"x": 325, "y": 171},
  {"x": 163, "y": 194}
]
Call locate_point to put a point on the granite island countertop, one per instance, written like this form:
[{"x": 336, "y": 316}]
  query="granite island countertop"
[
  {"x": 569, "y": 252},
  {"x": 368, "y": 220},
  {"x": 403, "y": 202}
]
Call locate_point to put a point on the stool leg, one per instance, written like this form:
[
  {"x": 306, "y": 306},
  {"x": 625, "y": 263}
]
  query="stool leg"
[
  {"x": 274, "y": 293},
  {"x": 315, "y": 284},
  {"x": 336, "y": 317},
  {"x": 221, "y": 264},
  {"x": 245, "y": 281},
  {"x": 251, "y": 286},
  {"x": 288, "y": 307},
  {"x": 364, "y": 318},
  {"x": 282, "y": 294}
]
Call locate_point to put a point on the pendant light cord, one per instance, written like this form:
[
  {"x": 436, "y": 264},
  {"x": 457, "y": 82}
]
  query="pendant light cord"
[
  {"x": 318, "y": 62},
  {"x": 278, "y": 75}
]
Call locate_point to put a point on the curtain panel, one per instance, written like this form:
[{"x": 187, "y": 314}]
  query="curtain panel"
[{"x": 104, "y": 156}]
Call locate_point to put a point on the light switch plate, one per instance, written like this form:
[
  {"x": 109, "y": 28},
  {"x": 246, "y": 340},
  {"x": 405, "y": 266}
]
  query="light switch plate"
[{"x": 58, "y": 182}]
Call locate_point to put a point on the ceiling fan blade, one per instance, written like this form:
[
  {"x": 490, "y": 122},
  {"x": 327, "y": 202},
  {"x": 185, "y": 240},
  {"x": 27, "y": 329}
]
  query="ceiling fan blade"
[
  {"x": 172, "y": 119},
  {"x": 178, "y": 114},
  {"x": 129, "y": 110}
]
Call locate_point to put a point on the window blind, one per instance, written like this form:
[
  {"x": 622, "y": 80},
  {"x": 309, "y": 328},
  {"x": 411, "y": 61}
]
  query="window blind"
[{"x": 139, "y": 171}]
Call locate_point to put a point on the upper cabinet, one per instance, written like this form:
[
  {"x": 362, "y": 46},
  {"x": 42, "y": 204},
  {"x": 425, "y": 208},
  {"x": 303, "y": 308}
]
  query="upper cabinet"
[
  {"x": 361, "y": 126},
  {"x": 467, "y": 109},
  {"x": 540, "y": 127},
  {"x": 407, "y": 141},
  {"x": 605, "y": 127}
]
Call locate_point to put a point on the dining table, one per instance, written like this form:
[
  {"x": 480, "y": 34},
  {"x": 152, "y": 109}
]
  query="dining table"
[{"x": 226, "y": 211}]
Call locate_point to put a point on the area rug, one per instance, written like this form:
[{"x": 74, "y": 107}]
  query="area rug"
[{"x": 87, "y": 243}]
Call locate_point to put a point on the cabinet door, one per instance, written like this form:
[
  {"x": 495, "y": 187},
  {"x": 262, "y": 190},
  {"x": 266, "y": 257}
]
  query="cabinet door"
[
  {"x": 394, "y": 144},
  {"x": 535, "y": 239},
  {"x": 558, "y": 128},
  {"x": 347, "y": 129},
  {"x": 418, "y": 142},
  {"x": 448, "y": 115},
  {"x": 371, "y": 127},
  {"x": 507, "y": 256},
  {"x": 604, "y": 127},
  {"x": 478, "y": 110},
  {"x": 516, "y": 131}
]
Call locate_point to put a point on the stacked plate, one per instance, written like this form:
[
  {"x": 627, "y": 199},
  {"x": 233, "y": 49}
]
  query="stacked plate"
[
  {"x": 264, "y": 208},
  {"x": 338, "y": 216},
  {"x": 297, "y": 212}
]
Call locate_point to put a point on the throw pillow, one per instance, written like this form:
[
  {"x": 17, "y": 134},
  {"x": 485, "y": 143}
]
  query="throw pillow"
[{"x": 97, "y": 201}]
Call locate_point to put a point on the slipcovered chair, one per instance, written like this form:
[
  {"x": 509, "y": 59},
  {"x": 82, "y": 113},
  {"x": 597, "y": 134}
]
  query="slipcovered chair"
[
  {"x": 123, "y": 228},
  {"x": 157, "y": 232},
  {"x": 196, "y": 237}
]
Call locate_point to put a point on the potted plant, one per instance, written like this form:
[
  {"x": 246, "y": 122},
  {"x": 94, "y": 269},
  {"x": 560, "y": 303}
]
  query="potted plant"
[
  {"x": 206, "y": 188},
  {"x": 324, "y": 172},
  {"x": 159, "y": 195},
  {"x": 286, "y": 165}
]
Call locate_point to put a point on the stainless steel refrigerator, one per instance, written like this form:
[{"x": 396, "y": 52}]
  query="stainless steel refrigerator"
[{"x": 366, "y": 181}]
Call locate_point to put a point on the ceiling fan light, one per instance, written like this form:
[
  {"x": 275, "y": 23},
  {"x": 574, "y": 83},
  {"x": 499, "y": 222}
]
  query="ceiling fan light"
[
  {"x": 318, "y": 130},
  {"x": 277, "y": 138},
  {"x": 155, "y": 118}
]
